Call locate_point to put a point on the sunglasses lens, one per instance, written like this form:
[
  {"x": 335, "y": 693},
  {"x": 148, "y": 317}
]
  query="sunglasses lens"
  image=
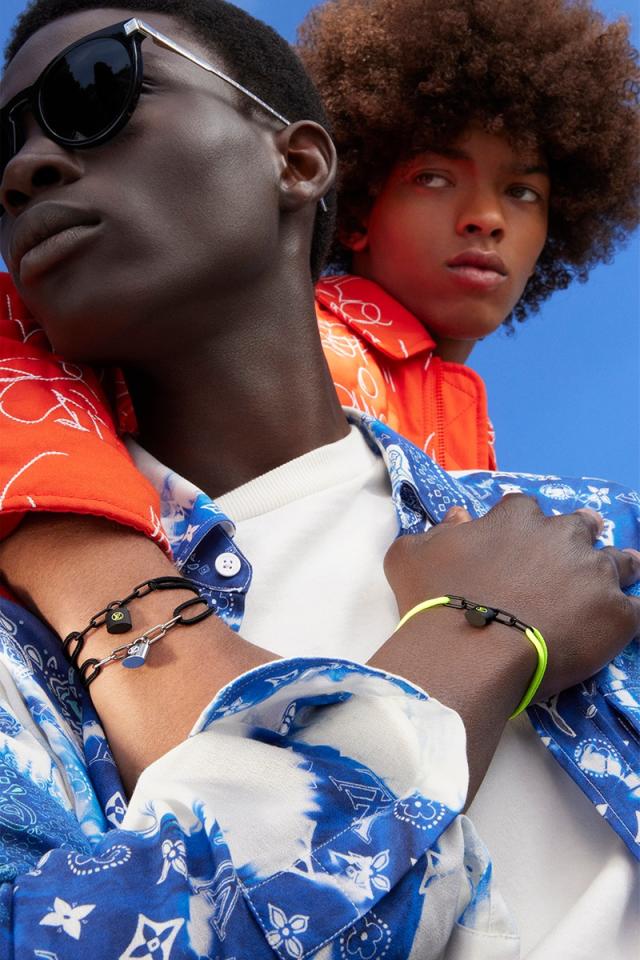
[{"x": 87, "y": 91}]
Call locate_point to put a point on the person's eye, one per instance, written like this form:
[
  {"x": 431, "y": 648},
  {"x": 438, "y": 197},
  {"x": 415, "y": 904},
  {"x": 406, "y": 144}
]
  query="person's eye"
[
  {"x": 434, "y": 180},
  {"x": 522, "y": 192}
]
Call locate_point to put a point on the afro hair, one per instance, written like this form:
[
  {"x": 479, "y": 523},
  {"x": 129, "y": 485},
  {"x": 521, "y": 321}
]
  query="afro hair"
[{"x": 400, "y": 76}]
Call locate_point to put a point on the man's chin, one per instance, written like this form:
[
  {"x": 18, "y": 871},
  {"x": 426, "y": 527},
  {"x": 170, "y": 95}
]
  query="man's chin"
[{"x": 467, "y": 329}]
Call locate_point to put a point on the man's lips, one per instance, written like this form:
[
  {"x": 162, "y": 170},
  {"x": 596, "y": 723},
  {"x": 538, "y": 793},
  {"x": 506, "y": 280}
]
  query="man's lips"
[
  {"x": 40, "y": 225},
  {"x": 478, "y": 270}
]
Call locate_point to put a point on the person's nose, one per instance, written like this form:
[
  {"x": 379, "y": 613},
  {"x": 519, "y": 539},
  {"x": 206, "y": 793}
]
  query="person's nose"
[
  {"x": 39, "y": 165},
  {"x": 481, "y": 215}
]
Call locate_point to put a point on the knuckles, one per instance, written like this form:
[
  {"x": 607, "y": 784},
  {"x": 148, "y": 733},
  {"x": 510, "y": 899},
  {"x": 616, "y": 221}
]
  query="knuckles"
[{"x": 518, "y": 502}]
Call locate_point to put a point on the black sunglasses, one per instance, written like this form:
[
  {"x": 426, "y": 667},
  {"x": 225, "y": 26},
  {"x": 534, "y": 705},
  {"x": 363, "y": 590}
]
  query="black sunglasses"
[{"x": 90, "y": 90}]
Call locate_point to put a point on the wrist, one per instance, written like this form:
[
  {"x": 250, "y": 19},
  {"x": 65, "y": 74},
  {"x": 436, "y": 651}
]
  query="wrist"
[
  {"x": 149, "y": 612},
  {"x": 473, "y": 671},
  {"x": 479, "y": 616}
]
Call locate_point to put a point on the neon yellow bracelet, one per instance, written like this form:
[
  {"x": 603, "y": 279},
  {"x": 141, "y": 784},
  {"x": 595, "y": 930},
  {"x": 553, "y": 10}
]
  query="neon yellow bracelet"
[{"x": 480, "y": 616}]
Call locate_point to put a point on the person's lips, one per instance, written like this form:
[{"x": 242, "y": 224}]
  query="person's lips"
[
  {"x": 478, "y": 269},
  {"x": 46, "y": 233}
]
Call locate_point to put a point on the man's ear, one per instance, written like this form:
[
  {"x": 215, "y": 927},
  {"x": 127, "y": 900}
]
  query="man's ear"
[{"x": 308, "y": 164}]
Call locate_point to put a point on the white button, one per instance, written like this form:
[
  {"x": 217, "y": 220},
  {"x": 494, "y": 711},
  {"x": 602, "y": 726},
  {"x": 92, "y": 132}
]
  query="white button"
[{"x": 228, "y": 564}]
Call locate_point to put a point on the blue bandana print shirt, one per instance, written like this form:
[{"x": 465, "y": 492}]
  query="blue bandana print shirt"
[{"x": 274, "y": 830}]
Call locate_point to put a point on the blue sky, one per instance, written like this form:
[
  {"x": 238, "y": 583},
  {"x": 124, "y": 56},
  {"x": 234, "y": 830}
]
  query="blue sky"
[{"x": 564, "y": 391}]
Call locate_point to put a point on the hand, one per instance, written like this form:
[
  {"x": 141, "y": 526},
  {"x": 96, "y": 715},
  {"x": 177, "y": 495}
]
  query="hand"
[{"x": 544, "y": 570}]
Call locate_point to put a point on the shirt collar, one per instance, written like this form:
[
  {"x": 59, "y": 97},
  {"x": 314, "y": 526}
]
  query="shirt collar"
[
  {"x": 422, "y": 492},
  {"x": 375, "y": 315},
  {"x": 188, "y": 514}
]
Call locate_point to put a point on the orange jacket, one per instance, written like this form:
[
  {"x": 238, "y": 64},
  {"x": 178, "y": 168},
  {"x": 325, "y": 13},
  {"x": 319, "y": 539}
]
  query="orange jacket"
[
  {"x": 381, "y": 360},
  {"x": 59, "y": 446},
  {"x": 60, "y": 423}
]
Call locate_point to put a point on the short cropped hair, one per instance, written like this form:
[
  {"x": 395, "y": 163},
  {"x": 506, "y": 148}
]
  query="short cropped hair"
[
  {"x": 258, "y": 58},
  {"x": 400, "y": 76}
]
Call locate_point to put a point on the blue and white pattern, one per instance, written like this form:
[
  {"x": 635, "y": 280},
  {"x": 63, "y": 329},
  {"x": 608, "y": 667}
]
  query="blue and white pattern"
[
  {"x": 349, "y": 850},
  {"x": 193, "y": 524},
  {"x": 593, "y": 729}
]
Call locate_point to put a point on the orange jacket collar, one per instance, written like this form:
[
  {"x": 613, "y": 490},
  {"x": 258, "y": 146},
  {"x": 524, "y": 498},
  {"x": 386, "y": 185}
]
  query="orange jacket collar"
[{"x": 365, "y": 307}]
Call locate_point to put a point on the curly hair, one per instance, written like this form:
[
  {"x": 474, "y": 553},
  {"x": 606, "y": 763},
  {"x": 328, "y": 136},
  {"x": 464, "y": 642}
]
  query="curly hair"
[
  {"x": 258, "y": 56},
  {"x": 400, "y": 76}
]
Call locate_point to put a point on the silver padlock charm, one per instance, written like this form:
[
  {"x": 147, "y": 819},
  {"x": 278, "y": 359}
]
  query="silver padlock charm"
[{"x": 136, "y": 655}]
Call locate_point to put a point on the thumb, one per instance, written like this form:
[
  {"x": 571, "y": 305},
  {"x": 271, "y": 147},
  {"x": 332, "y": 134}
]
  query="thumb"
[
  {"x": 456, "y": 515},
  {"x": 452, "y": 518}
]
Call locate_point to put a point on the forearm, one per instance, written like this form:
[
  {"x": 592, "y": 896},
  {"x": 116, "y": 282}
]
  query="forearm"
[
  {"x": 481, "y": 674},
  {"x": 145, "y": 712}
]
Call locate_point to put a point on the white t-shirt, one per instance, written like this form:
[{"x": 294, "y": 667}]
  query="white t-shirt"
[{"x": 316, "y": 531}]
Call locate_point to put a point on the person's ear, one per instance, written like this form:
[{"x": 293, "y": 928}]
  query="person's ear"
[
  {"x": 308, "y": 167},
  {"x": 355, "y": 240}
]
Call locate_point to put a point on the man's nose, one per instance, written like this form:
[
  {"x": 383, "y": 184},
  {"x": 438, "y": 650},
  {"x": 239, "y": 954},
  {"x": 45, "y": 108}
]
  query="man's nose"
[
  {"x": 482, "y": 215},
  {"x": 38, "y": 165}
]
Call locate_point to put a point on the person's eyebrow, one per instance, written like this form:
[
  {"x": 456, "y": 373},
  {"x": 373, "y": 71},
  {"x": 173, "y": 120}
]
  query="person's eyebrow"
[
  {"x": 455, "y": 153},
  {"x": 531, "y": 169}
]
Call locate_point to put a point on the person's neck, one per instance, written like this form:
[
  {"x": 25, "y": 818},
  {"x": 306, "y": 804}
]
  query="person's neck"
[
  {"x": 244, "y": 395},
  {"x": 453, "y": 351}
]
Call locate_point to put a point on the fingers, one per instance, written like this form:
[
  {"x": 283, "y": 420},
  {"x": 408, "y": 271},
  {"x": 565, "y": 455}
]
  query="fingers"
[
  {"x": 585, "y": 524},
  {"x": 593, "y": 521},
  {"x": 633, "y": 606},
  {"x": 626, "y": 564}
]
